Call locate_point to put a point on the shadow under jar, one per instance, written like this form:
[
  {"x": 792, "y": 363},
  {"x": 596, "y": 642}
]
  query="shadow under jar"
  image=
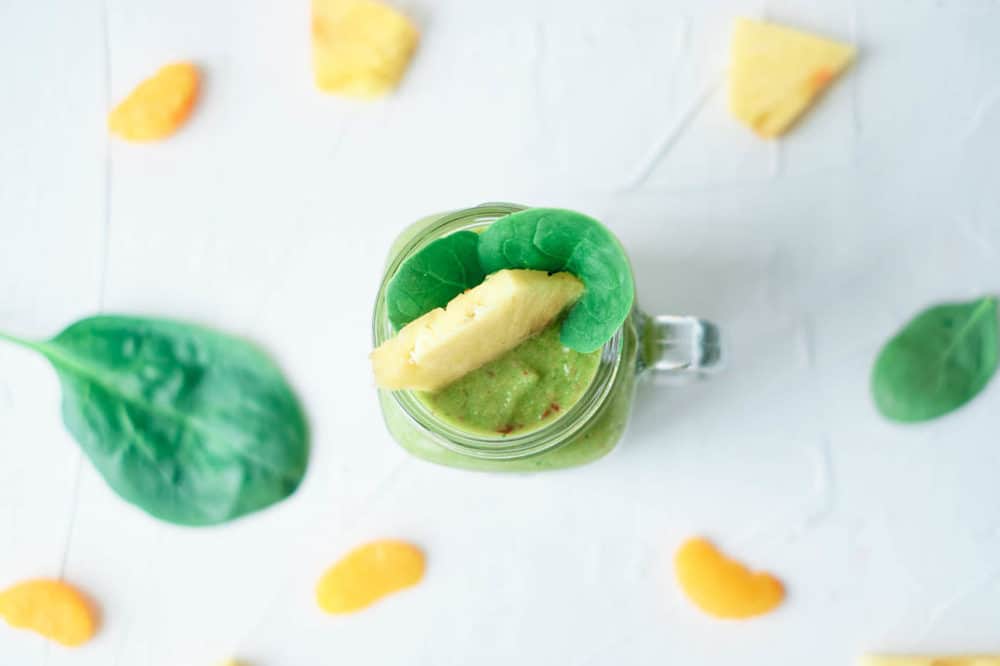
[{"x": 661, "y": 346}]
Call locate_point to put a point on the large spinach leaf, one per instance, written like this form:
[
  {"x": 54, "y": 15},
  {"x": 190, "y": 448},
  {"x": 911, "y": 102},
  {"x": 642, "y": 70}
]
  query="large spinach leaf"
[
  {"x": 939, "y": 361},
  {"x": 193, "y": 426},
  {"x": 433, "y": 276},
  {"x": 551, "y": 239}
]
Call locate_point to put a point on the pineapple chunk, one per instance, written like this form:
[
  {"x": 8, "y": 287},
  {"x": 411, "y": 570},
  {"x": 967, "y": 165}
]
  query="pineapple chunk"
[
  {"x": 776, "y": 73},
  {"x": 361, "y": 48},
  {"x": 931, "y": 661},
  {"x": 475, "y": 328}
]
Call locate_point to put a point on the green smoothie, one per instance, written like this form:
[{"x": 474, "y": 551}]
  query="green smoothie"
[
  {"x": 596, "y": 440},
  {"x": 524, "y": 389}
]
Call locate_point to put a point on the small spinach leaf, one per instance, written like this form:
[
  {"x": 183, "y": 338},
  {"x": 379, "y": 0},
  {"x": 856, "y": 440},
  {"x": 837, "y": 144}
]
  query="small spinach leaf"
[
  {"x": 552, "y": 239},
  {"x": 433, "y": 276},
  {"x": 192, "y": 426},
  {"x": 939, "y": 361}
]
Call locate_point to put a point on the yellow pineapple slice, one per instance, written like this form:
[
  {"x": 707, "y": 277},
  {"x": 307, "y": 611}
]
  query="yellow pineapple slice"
[
  {"x": 777, "y": 73},
  {"x": 475, "y": 328},
  {"x": 930, "y": 661},
  {"x": 361, "y": 48}
]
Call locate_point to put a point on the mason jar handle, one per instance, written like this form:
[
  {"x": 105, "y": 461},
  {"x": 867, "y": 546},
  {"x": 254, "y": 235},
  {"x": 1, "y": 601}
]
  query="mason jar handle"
[{"x": 673, "y": 347}]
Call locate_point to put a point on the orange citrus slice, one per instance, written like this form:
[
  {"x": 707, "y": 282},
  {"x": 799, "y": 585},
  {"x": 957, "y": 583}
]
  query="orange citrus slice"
[
  {"x": 52, "y": 608},
  {"x": 158, "y": 106},
  {"x": 368, "y": 573},
  {"x": 723, "y": 587}
]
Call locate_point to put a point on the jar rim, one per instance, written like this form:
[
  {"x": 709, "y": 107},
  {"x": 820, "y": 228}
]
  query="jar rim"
[{"x": 501, "y": 447}]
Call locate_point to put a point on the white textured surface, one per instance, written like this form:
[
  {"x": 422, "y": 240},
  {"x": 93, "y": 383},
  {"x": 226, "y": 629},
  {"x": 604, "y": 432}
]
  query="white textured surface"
[{"x": 270, "y": 215}]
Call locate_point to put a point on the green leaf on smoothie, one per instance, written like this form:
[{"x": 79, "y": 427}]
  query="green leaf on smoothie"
[
  {"x": 940, "y": 360},
  {"x": 193, "y": 426},
  {"x": 551, "y": 239},
  {"x": 433, "y": 276}
]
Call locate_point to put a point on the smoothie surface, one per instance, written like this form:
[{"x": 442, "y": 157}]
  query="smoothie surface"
[{"x": 529, "y": 386}]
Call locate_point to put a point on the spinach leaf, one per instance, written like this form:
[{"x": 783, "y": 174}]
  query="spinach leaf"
[
  {"x": 192, "y": 426},
  {"x": 433, "y": 276},
  {"x": 939, "y": 361},
  {"x": 551, "y": 239}
]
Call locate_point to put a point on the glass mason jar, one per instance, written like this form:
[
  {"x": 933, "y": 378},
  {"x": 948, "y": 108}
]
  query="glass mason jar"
[{"x": 662, "y": 346}]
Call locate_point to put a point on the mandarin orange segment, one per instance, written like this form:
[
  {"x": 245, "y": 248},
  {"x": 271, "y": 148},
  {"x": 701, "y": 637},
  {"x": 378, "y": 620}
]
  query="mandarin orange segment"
[
  {"x": 723, "y": 587},
  {"x": 158, "y": 106},
  {"x": 368, "y": 573},
  {"x": 52, "y": 608}
]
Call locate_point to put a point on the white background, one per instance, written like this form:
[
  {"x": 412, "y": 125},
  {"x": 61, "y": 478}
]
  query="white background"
[{"x": 270, "y": 213}]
